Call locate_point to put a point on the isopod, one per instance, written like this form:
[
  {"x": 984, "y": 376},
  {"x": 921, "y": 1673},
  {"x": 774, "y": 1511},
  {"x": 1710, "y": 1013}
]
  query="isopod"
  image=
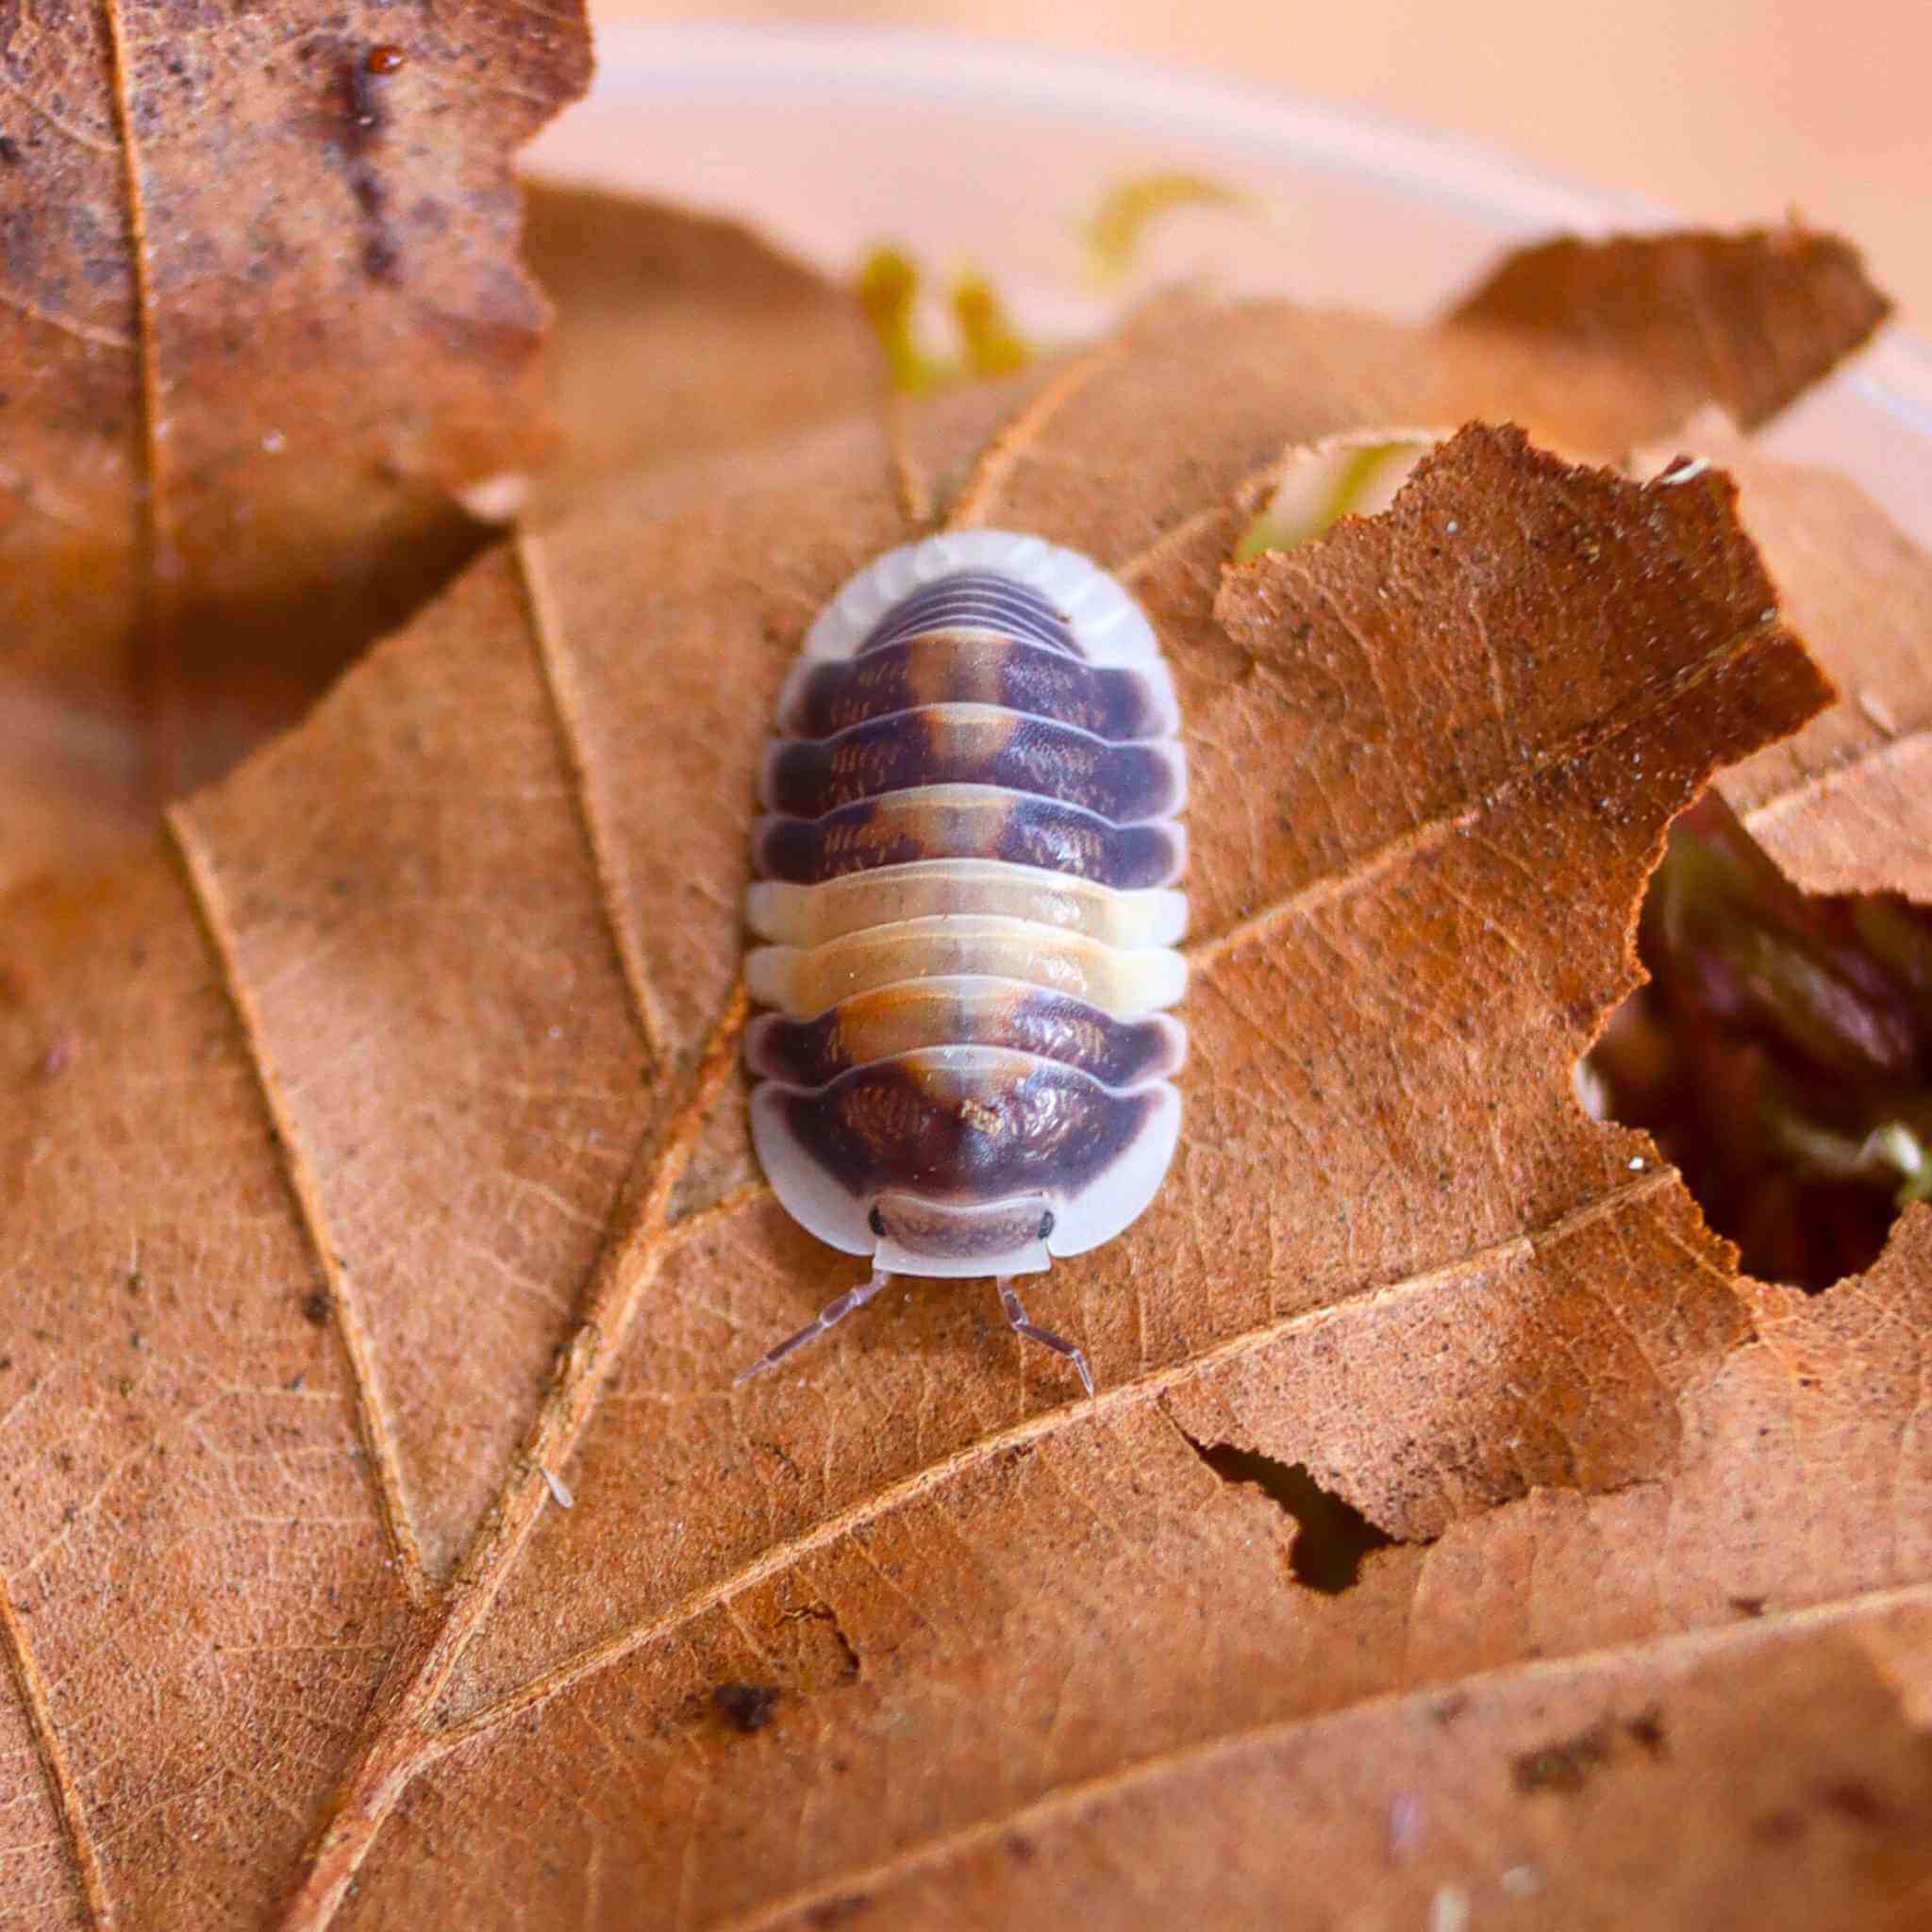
[{"x": 966, "y": 880}]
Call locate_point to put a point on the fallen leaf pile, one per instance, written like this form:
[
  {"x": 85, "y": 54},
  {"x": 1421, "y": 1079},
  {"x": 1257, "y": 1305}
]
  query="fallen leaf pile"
[{"x": 384, "y": 1542}]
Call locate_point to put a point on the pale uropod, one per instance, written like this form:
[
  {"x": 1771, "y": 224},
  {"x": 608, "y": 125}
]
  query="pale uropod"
[{"x": 966, "y": 884}]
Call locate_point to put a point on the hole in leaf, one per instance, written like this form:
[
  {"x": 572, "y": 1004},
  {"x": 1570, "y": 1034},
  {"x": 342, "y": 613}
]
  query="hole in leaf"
[
  {"x": 1359, "y": 474},
  {"x": 1781, "y": 1055},
  {"x": 1331, "y": 1536}
]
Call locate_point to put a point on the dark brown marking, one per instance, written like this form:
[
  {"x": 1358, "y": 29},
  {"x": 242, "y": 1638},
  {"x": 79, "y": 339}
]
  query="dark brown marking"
[
  {"x": 902, "y": 826},
  {"x": 1857, "y": 1802},
  {"x": 745, "y": 1706},
  {"x": 839, "y": 1910},
  {"x": 1647, "y": 1732},
  {"x": 1115, "y": 701},
  {"x": 1123, "y": 783},
  {"x": 1565, "y": 1765},
  {"x": 995, "y": 1012},
  {"x": 366, "y": 121},
  {"x": 362, "y": 99},
  {"x": 1000, "y": 1127}
]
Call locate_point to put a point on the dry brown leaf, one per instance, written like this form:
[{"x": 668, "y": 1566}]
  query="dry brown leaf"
[
  {"x": 261, "y": 321},
  {"x": 1632, "y": 291},
  {"x": 378, "y": 1158},
  {"x": 1771, "y": 1116},
  {"x": 674, "y": 338},
  {"x": 1846, "y": 805},
  {"x": 265, "y": 317},
  {"x": 678, "y": 335}
]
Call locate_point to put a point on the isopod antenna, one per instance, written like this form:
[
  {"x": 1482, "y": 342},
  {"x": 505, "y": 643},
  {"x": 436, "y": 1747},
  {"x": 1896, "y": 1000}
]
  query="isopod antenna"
[
  {"x": 840, "y": 1306},
  {"x": 828, "y": 1317}
]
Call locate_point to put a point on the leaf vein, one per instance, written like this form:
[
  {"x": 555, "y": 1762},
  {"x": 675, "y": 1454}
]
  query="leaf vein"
[
  {"x": 155, "y": 642},
  {"x": 1801, "y": 791},
  {"x": 372, "y": 1418},
  {"x": 400, "y": 1742},
  {"x": 81, "y": 331},
  {"x": 41, "y": 111},
  {"x": 61, "y": 1783},
  {"x": 1016, "y": 436},
  {"x": 566, "y": 710},
  {"x": 1044, "y": 1426},
  {"x": 1070, "y": 1799},
  {"x": 1432, "y": 833}
]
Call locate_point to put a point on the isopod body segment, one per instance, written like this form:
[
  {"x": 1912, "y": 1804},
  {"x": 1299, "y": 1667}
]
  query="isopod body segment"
[{"x": 967, "y": 894}]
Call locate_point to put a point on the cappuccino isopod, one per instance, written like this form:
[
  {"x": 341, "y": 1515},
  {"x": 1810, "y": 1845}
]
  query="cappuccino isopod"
[{"x": 966, "y": 887}]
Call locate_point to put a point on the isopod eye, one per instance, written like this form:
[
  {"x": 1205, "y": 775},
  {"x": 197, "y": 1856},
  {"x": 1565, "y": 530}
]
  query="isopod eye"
[
  {"x": 876, "y": 1222},
  {"x": 1046, "y": 1224}
]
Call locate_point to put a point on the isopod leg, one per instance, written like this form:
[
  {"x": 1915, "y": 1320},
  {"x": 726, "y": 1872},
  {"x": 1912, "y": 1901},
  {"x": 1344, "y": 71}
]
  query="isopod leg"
[
  {"x": 833, "y": 1312},
  {"x": 1033, "y": 1332}
]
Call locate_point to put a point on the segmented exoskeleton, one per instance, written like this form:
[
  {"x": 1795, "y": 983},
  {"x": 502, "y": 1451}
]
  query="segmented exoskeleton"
[{"x": 966, "y": 877}]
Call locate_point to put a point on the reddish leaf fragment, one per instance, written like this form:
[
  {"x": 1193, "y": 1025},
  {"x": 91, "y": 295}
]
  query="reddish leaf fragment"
[
  {"x": 1778, "y": 307},
  {"x": 264, "y": 323}
]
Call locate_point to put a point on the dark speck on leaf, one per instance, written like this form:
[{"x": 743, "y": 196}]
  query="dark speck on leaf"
[
  {"x": 362, "y": 98},
  {"x": 745, "y": 1706},
  {"x": 1564, "y": 1766},
  {"x": 1647, "y": 1731},
  {"x": 1857, "y": 1802},
  {"x": 840, "y": 1911},
  {"x": 315, "y": 1307},
  {"x": 9, "y": 150}
]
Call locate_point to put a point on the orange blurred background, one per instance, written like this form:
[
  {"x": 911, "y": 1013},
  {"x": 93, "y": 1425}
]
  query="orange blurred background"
[{"x": 1723, "y": 110}]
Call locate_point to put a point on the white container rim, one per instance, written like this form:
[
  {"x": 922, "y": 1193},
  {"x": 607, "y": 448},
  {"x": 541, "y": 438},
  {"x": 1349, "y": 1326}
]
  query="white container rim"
[{"x": 742, "y": 63}]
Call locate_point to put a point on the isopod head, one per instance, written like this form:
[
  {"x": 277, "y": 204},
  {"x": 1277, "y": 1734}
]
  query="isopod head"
[{"x": 967, "y": 1224}]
